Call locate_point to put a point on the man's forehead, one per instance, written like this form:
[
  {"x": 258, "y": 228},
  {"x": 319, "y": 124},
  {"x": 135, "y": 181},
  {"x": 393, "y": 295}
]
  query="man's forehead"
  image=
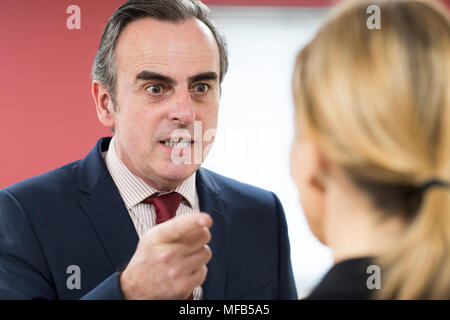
[
  {"x": 149, "y": 33},
  {"x": 160, "y": 43}
]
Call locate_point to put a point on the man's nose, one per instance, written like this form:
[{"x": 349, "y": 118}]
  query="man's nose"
[{"x": 183, "y": 110}]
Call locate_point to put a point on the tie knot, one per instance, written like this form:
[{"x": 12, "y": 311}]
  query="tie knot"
[{"x": 166, "y": 205}]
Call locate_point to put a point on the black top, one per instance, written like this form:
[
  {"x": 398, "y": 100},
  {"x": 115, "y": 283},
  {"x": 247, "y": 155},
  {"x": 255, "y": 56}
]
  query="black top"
[{"x": 345, "y": 280}]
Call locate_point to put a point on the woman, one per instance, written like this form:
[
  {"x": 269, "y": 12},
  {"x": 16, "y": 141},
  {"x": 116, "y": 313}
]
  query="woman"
[{"x": 371, "y": 153}]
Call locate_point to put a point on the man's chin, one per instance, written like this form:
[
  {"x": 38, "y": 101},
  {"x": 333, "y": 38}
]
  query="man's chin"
[{"x": 174, "y": 175}]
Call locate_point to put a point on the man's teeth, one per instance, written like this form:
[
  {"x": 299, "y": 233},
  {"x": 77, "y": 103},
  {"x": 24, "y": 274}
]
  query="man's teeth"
[{"x": 177, "y": 143}]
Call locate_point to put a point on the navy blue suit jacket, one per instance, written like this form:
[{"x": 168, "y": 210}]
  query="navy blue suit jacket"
[{"x": 75, "y": 215}]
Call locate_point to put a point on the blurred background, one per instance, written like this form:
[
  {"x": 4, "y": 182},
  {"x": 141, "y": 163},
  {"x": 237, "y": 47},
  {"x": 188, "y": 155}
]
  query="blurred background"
[
  {"x": 48, "y": 117},
  {"x": 256, "y": 116}
]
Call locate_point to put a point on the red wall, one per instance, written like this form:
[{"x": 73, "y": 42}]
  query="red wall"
[{"x": 47, "y": 116}]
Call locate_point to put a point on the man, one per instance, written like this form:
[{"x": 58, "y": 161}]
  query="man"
[{"x": 103, "y": 227}]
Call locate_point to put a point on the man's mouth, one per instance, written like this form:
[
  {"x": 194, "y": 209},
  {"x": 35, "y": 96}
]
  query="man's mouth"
[{"x": 177, "y": 143}]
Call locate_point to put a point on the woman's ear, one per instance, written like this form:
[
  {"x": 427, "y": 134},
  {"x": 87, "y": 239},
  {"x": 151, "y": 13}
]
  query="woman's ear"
[
  {"x": 308, "y": 169},
  {"x": 103, "y": 104},
  {"x": 319, "y": 170}
]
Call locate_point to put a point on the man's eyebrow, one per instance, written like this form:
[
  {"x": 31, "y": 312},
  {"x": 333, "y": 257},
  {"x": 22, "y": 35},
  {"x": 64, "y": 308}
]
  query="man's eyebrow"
[
  {"x": 150, "y": 75},
  {"x": 203, "y": 76}
]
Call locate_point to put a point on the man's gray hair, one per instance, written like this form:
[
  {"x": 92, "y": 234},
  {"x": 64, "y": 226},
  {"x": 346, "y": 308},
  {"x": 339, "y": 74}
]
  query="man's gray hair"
[{"x": 104, "y": 69}]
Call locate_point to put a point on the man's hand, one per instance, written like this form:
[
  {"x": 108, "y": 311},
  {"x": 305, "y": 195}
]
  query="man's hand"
[{"x": 170, "y": 260}]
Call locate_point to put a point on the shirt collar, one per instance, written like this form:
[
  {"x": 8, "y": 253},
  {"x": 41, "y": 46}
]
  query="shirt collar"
[{"x": 133, "y": 189}]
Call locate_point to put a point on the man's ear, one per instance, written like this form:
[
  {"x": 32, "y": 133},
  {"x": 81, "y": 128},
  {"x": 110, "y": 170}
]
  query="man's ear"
[{"x": 103, "y": 104}]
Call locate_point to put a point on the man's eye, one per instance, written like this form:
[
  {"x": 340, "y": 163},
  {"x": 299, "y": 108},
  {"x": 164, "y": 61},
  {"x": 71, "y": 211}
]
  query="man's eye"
[
  {"x": 201, "y": 88},
  {"x": 154, "y": 89}
]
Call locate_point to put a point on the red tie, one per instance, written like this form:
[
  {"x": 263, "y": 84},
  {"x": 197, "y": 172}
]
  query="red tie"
[{"x": 166, "y": 207}]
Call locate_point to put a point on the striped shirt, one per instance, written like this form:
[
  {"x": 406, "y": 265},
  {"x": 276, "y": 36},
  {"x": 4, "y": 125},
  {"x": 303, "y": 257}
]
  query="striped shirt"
[{"x": 134, "y": 190}]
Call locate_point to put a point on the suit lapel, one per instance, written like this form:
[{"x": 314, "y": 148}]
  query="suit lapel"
[
  {"x": 105, "y": 208},
  {"x": 211, "y": 203}
]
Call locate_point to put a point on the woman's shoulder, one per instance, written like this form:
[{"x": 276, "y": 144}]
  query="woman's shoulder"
[{"x": 348, "y": 279}]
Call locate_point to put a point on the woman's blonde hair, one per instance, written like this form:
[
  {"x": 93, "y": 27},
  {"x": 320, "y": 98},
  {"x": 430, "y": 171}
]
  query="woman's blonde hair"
[{"x": 377, "y": 103}]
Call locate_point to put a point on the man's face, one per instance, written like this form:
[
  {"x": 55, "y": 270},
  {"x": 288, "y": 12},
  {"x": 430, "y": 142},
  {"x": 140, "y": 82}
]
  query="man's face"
[{"x": 167, "y": 79}]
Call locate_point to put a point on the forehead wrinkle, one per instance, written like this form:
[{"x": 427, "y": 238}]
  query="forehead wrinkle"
[
  {"x": 171, "y": 58},
  {"x": 157, "y": 33},
  {"x": 169, "y": 48},
  {"x": 147, "y": 66}
]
